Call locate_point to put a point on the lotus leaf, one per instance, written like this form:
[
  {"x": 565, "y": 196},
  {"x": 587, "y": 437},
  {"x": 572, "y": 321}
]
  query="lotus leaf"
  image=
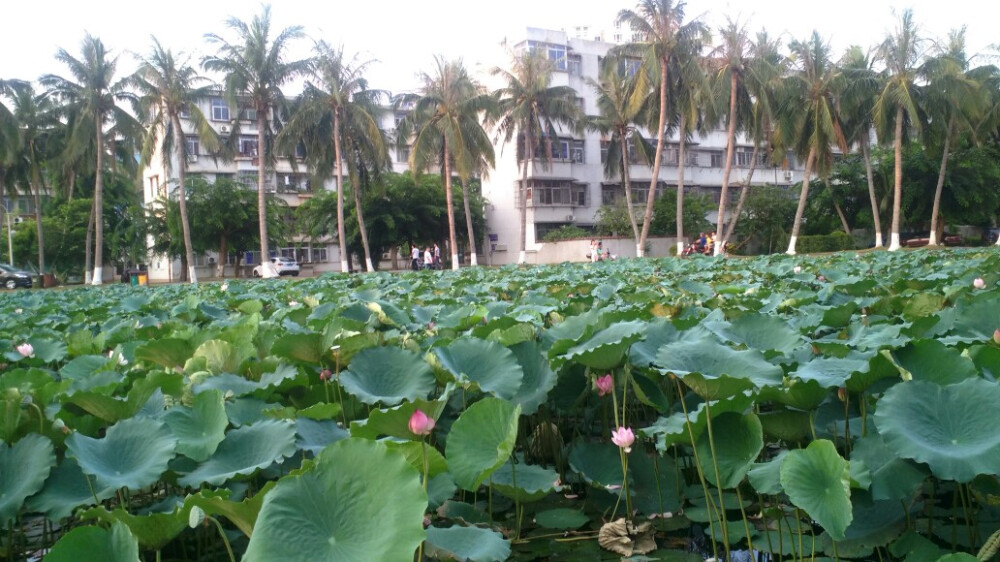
[
  {"x": 490, "y": 366},
  {"x": 132, "y": 454},
  {"x": 738, "y": 439},
  {"x": 66, "y": 489},
  {"x": 115, "y": 545},
  {"x": 388, "y": 375},
  {"x": 817, "y": 480},
  {"x": 931, "y": 360},
  {"x": 469, "y": 543},
  {"x": 306, "y": 348},
  {"x": 463, "y": 513},
  {"x": 24, "y": 466},
  {"x": 607, "y": 348},
  {"x": 394, "y": 422},
  {"x": 152, "y": 530},
  {"x": 599, "y": 463},
  {"x": 954, "y": 429},
  {"x": 538, "y": 377},
  {"x": 201, "y": 427},
  {"x": 481, "y": 440},
  {"x": 525, "y": 482},
  {"x": 892, "y": 478},
  {"x": 713, "y": 362},
  {"x": 416, "y": 452},
  {"x": 242, "y": 514},
  {"x": 360, "y": 502},
  {"x": 874, "y": 524},
  {"x": 244, "y": 450},
  {"x": 759, "y": 331},
  {"x": 315, "y": 435},
  {"x": 561, "y": 518},
  {"x": 166, "y": 352}
]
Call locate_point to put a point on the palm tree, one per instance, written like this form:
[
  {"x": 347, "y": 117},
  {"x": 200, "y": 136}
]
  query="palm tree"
[
  {"x": 954, "y": 102},
  {"x": 808, "y": 118},
  {"x": 167, "y": 88},
  {"x": 529, "y": 108},
  {"x": 255, "y": 67},
  {"x": 338, "y": 109},
  {"x": 861, "y": 86},
  {"x": 92, "y": 96},
  {"x": 447, "y": 127},
  {"x": 897, "y": 105},
  {"x": 661, "y": 25}
]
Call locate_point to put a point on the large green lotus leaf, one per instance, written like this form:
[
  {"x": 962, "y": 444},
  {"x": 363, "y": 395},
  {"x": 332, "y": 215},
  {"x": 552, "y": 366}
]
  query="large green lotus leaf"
[
  {"x": 220, "y": 356},
  {"x": 83, "y": 367},
  {"x": 244, "y": 450},
  {"x": 242, "y": 514},
  {"x": 818, "y": 481},
  {"x": 787, "y": 425},
  {"x": 467, "y": 543},
  {"x": 954, "y": 429},
  {"x": 538, "y": 377},
  {"x": 649, "y": 392},
  {"x": 659, "y": 333},
  {"x": 599, "y": 464},
  {"x": 315, "y": 435},
  {"x": 931, "y": 360},
  {"x": 481, "y": 440},
  {"x": 892, "y": 478},
  {"x": 713, "y": 361},
  {"x": 491, "y": 366},
  {"x": 914, "y": 547},
  {"x": 200, "y": 427},
  {"x": 65, "y": 490},
  {"x": 606, "y": 349},
  {"x": 166, "y": 352},
  {"x": 305, "y": 348},
  {"x": 152, "y": 530},
  {"x": 96, "y": 543},
  {"x": 765, "y": 477},
  {"x": 675, "y": 428},
  {"x": 388, "y": 375},
  {"x": 923, "y": 304},
  {"x": 360, "y": 502},
  {"x": 440, "y": 489},
  {"x": 561, "y": 518},
  {"x": 759, "y": 331},
  {"x": 247, "y": 411},
  {"x": 45, "y": 349},
  {"x": 987, "y": 359},
  {"x": 831, "y": 372},
  {"x": 23, "y": 470},
  {"x": 133, "y": 453},
  {"x": 738, "y": 439},
  {"x": 653, "y": 482},
  {"x": 415, "y": 453},
  {"x": 874, "y": 524},
  {"x": 394, "y": 422},
  {"x": 976, "y": 317},
  {"x": 526, "y": 482}
]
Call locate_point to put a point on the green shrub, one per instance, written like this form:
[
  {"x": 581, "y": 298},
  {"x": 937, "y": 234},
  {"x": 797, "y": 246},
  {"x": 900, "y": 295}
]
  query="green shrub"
[
  {"x": 565, "y": 232},
  {"x": 833, "y": 242}
]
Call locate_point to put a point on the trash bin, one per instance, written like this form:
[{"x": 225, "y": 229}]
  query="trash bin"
[{"x": 138, "y": 277}]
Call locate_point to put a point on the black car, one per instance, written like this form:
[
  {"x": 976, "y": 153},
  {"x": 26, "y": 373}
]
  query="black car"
[{"x": 12, "y": 277}]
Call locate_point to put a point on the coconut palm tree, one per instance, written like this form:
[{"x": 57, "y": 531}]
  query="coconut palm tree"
[
  {"x": 92, "y": 95},
  {"x": 955, "y": 103},
  {"x": 808, "y": 118},
  {"x": 338, "y": 109},
  {"x": 897, "y": 106},
  {"x": 861, "y": 86},
  {"x": 530, "y": 109},
  {"x": 255, "y": 66},
  {"x": 168, "y": 86},
  {"x": 447, "y": 129},
  {"x": 660, "y": 24}
]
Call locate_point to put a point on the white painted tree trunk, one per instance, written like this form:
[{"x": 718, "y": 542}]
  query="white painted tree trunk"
[
  {"x": 343, "y": 266},
  {"x": 791, "y": 245},
  {"x": 638, "y": 251},
  {"x": 98, "y": 275},
  {"x": 521, "y": 258},
  {"x": 680, "y": 247},
  {"x": 472, "y": 260},
  {"x": 894, "y": 242},
  {"x": 454, "y": 262},
  {"x": 368, "y": 264}
]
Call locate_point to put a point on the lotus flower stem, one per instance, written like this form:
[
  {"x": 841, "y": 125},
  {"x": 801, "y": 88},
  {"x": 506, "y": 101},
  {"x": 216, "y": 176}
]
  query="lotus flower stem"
[
  {"x": 746, "y": 524},
  {"x": 423, "y": 452},
  {"x": 225, "y": 540},
  {"x": 836, "y": 554},
  {"x": 970, "y": 525},
  {"x": 847, "y": 424},
  {"x": 517, "y": 501},
  {"x": 656, "y": 473},
  {"x": 91, "y": 486},
  {"x": 718, "y": 481},
  {"x": 698, "y": 470}
]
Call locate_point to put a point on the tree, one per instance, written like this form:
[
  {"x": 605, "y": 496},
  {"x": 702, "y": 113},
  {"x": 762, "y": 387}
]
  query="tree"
[
  {"x": 660, "y": 24},
  {"x": 897, "y": 104},
  {"x": 529, "y": 109},
  {"x": 808, "y": 118},
  {"x": 338, "y": 109},
  {"x": 255, "y": 67},
  {"x": 168, "y": 87},
  {"x": 91, "y": 97},
  {"x": 447, "y": 130}
]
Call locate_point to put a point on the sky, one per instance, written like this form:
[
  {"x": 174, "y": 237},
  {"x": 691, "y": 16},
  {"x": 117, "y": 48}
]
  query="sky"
[{"x": 403, "y": 36}]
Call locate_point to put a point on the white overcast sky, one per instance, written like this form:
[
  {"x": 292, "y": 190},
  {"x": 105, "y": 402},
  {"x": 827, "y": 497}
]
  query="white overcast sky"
[{"x": 404, "y": 35}]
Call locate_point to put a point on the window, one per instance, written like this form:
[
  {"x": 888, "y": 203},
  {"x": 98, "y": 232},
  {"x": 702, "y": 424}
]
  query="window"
[
  {"x": 744, "y": 157},
  {"x": 718, "y": 159},
  {"x": 575, "y": 65},
  {"x": 247, "y": 179},
  {"x": 629, "y": 67},
  {"x": 248, "y": 146},
  {"x": 293, "y": 183},
  {"x": 184, "y": 113},
  {"x": 564, "y": 193},
  {"x": 604, "y": 151},
  {"x": 577, "y": 152},
  {"x": 300, "y": 151},
  {"x": 555, "y": 53},
  {"x": 248, "y": 114},
  {"x": 193, "y": 147},
  {"x": 403, "y": 154},
  {"x": 220, "y": 110}
]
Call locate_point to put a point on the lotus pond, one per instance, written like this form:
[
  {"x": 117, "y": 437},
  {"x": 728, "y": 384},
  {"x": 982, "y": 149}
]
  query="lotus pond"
[{"x": 841, "y": 407}]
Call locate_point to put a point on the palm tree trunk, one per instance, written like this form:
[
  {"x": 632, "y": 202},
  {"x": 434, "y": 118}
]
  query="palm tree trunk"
[
  {"x": 341, "y": 234},
  {"x": 837, "y": 207},
  {"x": 866, "y": 154},
  {"x": 356, "y": 188},
  {"x": 223, "y": 249},
  {"x": 627, "y": 184},
  {"x": 451, "y": 211},
  {"x": 730, "y": 151},
  {"x": 936, "y": 208},
  {"x": 647, "y": 217},
  {"x": 87, "y": 245},
  {"x": 35, "y": 187},
  {"x": 897, "y": 188},
  {"x": 179, "y": 145},
  {"x": 681, "y": 142},
  {"x": 802, "y": 202},
  {"x": 265, "y": 255},
  {"x": 473, "y": 261},
  {"x": 529, "y": 154},
  {"x": 742, "y": 200},
  {"x": 99, "y": 206}
]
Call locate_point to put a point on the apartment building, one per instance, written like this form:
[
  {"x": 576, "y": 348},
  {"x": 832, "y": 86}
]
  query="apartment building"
[{"x": 571, "y": 188}]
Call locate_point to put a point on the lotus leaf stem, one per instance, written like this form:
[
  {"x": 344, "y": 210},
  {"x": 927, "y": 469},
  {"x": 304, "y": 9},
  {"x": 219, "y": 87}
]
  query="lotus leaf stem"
[
  {"x": 698, "y": 470},
  {"x": 225, "y": 540},
  {"x": 746, "y": 523},
  {"x": 718, "y": 481}
]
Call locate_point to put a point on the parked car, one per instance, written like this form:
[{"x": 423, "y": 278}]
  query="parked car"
[
  {"x": 284, "y": 266},
  {"x": 12, "y": 277}
]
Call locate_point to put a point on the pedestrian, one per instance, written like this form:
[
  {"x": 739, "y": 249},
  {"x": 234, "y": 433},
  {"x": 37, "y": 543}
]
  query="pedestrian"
[
  {"x": 437, "y": 256},
  {"x": 414, "y": 257},
  {"x": 428, "y": 258}
]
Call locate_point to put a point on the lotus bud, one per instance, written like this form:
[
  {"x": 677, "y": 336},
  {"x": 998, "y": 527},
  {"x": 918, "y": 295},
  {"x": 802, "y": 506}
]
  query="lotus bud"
[
  {"x": 325, "y": 375},
  {"x": 978, "y": 283},
  {"x": 797, "y": 269},
  {"x": 623, "y": 438},
  {"x": 996, "y": 337},
  {"x": 26, "y": 350},
  {"x": 603, "y": 384},
  {"x": 842, "y": 394},
  {"x": 293, "y": 303},
  {"x": 821, "y": 279},
  {"x": 420, "y": 423},
  {"x": 224, "y": 287}
]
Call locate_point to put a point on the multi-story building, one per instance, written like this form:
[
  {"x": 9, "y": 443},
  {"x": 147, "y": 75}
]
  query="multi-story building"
[{"x": 572, "y": 187}]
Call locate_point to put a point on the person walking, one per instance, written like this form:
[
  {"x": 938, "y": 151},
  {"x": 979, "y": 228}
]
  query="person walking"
[
  {"x": 428, "y": 258},
  {"x": 414, "y": 257},
  {"x": 437, "y": 256}
]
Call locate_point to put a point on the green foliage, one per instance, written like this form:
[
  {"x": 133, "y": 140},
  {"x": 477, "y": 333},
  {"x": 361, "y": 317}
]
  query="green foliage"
[
  {"x": 833, "y": 242},
  {"x": 766, "y": 221},
  {"x": 566, "y": 232},
  {"x": 612, "y": 220}
]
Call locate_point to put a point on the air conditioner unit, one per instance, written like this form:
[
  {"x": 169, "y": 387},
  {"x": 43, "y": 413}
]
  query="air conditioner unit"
[
  {"x": 192, "y": 157},
  {"x": 224, "y": 129},
  {"x": 788, "y": 175},
  {"x": 570, "y": 218},
  {"x": 499, "y": 247},
  {"x": 18, "y": 220}
]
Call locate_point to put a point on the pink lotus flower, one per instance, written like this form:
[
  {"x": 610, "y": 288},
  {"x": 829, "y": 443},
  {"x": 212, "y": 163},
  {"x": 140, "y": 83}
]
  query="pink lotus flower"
[
  {"x": 325, "y": 375},
  {"x": 420, "y": 423},
  {"x": 603, "y": 384},
  {"x": 978, "y": 283},
  {"x": 623, "y": 437},
  {"x": 797, "y": 269},
  {"x": 26, "y": 350},
  {"x": 996, "y": 337}
]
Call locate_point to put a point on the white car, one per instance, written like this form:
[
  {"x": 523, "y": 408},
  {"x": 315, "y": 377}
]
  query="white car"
[{"x": 277, "y": 266}]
